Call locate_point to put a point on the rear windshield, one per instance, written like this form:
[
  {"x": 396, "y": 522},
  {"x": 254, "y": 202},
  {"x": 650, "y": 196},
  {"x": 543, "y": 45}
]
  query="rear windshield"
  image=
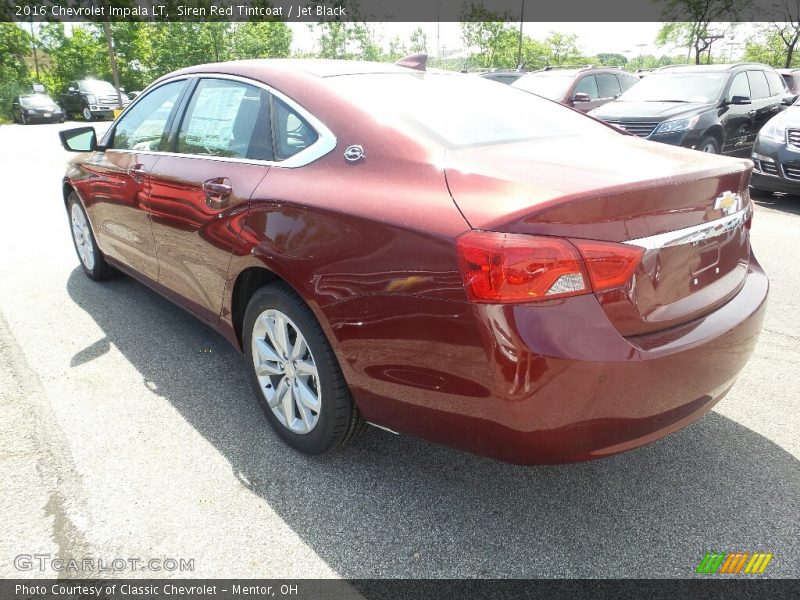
[
  {"x": 462, "y": 110},
  {"x": 549, "y": 86},
  {"x": 35, "y": 100}
]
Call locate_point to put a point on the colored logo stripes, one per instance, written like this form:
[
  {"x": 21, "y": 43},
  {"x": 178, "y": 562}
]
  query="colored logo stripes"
[{"x": 734, "y": 562}]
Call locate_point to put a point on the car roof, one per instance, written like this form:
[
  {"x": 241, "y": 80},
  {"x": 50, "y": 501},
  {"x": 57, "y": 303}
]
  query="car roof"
[
  {"x": 721, "y": 68},
  {"x": 312, "y": 66},
  {"x": 576, "y": 71}
]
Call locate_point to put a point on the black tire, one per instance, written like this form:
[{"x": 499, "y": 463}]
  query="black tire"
[
  {"x": 338, "y": 419},
  {"x": 84, "y": 111},
  {"x": 709, "y": 142},
  {"x": 24, "y": 119},
  {"x": 14, "y": 117},
  {"x": 99, "y": 269}
]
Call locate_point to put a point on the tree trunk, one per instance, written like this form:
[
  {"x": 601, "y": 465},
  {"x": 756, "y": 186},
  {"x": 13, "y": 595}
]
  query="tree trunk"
[{"x": 789, "y": 54}]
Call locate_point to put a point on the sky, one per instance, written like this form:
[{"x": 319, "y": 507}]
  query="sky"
[{"x": 628, "y": 39}]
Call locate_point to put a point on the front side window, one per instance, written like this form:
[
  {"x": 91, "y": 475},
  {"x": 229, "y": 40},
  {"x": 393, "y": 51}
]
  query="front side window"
[
  {"x": 142, "y": 127},
  {"x": 739, "y": 87},
  {"x": 228, "y": 119},
  {"x": 292, "y": 133},
  {"x": 587, "y": 85}
]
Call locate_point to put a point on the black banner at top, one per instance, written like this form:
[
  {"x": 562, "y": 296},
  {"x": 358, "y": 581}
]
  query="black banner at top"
[{"x": 399, "y": 10}]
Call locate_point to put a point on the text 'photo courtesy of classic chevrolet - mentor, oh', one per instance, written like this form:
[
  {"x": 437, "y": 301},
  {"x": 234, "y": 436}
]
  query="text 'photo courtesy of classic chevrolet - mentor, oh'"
[{"x": 433, "y": 253}]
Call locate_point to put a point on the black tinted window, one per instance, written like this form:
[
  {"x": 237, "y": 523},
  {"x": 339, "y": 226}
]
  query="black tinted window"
[
  {"x": 739, "y": 87},
  {"x": 608, "y": 86},
  {"x": 142, "y": 127},
  {"x": 758, "y": 85},
  {"x": 587, "y": 85},
  {"x": 292, "y": 132},
  {"x": 776, "y": 85},
  {"x": 227, "y": 118}
]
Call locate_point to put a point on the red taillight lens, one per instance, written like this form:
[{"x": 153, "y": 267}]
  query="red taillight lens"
[
  {"x": 609, "y": 265},
  {"x": 504, "y": 267}
]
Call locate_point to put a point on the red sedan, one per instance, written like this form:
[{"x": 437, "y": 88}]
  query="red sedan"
[{"x": 428, "y": 252}]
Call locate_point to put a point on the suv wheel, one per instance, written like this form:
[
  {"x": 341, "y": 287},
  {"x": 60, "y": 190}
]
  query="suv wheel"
[
  {"x": 709, "y": 144},
  {"x": 87, "y": 114},
  {"x": 298, "y": 381}
]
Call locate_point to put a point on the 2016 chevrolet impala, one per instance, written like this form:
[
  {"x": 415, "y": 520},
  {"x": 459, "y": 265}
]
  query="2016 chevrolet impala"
[{"x": 429, "y": 252}]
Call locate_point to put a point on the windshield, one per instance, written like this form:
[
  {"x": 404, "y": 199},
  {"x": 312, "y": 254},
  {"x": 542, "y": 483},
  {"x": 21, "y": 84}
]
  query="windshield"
[
  {"x": 459, "y": 110},
  {"x": 38, "y": 100},
  {"x": 549, "y": 86},
  {"x": 97, "y": 87},
  {"x": 676, "y": 87}
]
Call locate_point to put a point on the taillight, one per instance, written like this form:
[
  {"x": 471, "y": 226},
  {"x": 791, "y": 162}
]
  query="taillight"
[{"x": 504, "y": 267}]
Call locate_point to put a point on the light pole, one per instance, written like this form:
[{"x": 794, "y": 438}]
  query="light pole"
[{"x": 519, "y": 47}]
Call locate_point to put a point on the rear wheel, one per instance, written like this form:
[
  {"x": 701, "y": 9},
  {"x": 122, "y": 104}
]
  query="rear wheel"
[
  {"x": 92, "y": 260},
  {"x": 298, "y": 381},
  {"x": 709, "y": 144}
]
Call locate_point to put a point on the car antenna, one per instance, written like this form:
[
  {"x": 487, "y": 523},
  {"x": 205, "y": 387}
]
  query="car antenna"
[{"x": 418, "y": 62}]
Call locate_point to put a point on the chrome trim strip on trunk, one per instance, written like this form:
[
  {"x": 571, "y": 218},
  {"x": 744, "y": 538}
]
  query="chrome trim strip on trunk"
[{"x": 696, "y": 233}]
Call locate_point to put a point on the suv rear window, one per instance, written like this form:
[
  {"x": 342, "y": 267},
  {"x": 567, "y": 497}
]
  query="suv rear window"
[
  {"x": 460, "y": 110},
  {"x": 776, "y": 85}
]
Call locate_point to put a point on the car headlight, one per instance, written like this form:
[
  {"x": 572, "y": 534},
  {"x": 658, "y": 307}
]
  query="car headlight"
[
  {"x": 91, "y": 98},
  {"x": 674, "y": 125},
  {"x": 774, "y": 130}
]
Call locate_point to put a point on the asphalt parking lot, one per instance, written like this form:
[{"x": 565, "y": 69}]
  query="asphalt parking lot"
[{"x": 129, "y": 430}]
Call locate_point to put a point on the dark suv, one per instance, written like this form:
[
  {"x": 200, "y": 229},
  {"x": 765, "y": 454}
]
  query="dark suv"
[
  {"x": 91, "y": 98},
  {"x": 713, "y": 108},
  {"x": 582, "y": 89}
]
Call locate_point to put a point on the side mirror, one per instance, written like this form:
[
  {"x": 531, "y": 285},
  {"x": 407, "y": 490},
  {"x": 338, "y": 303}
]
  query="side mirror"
[
  {"x": 80, "y": 139},
  {"x": 72, "y": 89},
  {"x": 789, "y": 99},
  {"x": 739, "y": 100},
  {"x": 581, "y": 97}
]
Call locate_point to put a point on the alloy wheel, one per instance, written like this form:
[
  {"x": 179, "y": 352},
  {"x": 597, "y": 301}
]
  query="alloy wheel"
[
  {"x": 82, "y": 235},
  {"x": 286, "y": 371},
  {"x": 87, "y": 114}
]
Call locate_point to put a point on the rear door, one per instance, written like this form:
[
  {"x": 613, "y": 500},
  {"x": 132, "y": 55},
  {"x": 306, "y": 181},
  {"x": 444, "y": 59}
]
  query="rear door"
[
  {"x": 116, "y": 198},
  {"x": 765, "y": 105},
  {"x": 219, "y": 151}
]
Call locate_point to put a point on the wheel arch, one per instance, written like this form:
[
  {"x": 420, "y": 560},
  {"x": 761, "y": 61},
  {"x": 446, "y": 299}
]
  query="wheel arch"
[
  {"x": 247, "y": 282},
  {"x": 717, "y": 133}
]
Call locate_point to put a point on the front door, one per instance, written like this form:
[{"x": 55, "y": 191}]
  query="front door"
[{"x": 221, "y": 150}]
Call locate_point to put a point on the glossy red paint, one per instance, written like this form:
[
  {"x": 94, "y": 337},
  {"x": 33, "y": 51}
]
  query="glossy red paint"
[{"x": 370, "y": 246}]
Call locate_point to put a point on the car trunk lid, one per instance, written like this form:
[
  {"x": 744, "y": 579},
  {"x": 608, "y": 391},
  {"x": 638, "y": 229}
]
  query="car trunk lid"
[{"x": 689, "y": 210}]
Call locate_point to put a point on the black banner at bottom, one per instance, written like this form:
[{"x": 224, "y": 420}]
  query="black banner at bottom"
[{"x": 728, "y": 588}]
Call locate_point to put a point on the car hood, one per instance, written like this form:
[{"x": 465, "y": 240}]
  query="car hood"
[{"x": 648, "y": 110}]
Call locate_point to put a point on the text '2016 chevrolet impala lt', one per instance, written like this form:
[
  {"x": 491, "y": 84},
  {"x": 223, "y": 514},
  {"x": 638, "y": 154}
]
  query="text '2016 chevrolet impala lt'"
[{"x": 429, "y": 252}]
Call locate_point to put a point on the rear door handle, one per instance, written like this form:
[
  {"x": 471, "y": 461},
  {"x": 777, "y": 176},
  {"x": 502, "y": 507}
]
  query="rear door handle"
[{"x": 218, "y": 192}]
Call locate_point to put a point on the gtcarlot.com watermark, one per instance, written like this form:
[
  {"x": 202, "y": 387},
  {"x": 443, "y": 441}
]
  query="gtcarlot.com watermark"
[{"x": 59, "y": 564}]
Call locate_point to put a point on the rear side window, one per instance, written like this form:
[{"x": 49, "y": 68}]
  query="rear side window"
[
  {"x": 292, "y": 132},
  {"x": 229, "y": 119},
  {"x": 626, "y": 81},
  {"x": 739, "y": 87},
  {"x": 142, "y": 127},
  {"x": 587, "y": 85},
  {"x": 776, "y": 85},
  {"x": 758, "y": 85},
  {"x": 608, "y": 86}
]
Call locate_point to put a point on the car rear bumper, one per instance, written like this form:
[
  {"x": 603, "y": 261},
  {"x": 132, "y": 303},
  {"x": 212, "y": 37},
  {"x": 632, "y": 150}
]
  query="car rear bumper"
[{"x": 561, "y": 384}]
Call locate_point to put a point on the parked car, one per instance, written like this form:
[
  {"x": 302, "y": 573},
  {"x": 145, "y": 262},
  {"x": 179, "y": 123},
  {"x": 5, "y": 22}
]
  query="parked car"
[
  {"x": 712, "y": 108},
  {"x": 435, "y": 254},
  {"x": 792, "y": 79},
  {"x": 502, "y": 76},
  {"x": 776, "y": 154},
  {"x": 91, "y": 99},
  {"x": 582, "y": 89},
  {"x": 133, "y": 95},
  {"x": 35, "y": 108}
]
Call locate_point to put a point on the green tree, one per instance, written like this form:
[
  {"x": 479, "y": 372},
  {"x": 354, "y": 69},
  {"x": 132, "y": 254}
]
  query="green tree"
[
  {"x": 698, "y": 33},
  {"x": 71, "y": 57},
  {"x": 492, "y": 37},
  {"x": 15, "y": 45},
  {"x": 419, "y": 41},
  {"x": 263, "y": 39},
  {"x": 768, "y": 47},
  {"x": 563, "y": 49}
]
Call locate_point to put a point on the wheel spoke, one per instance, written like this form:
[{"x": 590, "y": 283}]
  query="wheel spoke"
[
  {"x": 287, "y": 403},
  {"x": 299, "y": 348},
  {"x": 280, "y": 392},
  {"x": 266, "y": 354},
  {"x": 305, "y": 367},
  {"x": 305, "y": 415},
  {"x": 276, "y": 330},
  {"x": 306, "y": 397}
]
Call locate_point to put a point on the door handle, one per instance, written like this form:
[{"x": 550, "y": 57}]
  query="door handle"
[
  {"x": 138, "y": 172},
  {"x": 218, "y": 192}
]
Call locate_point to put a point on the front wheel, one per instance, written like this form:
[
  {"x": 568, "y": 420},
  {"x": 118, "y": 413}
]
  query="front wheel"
[
  {"x": 92, "y": 260},
  {"x": 298, "y": 381},
  {"x": 23, "y": 118},
  {"x": 87, "y": 114},
  {"x": 709, "y": 144}
]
